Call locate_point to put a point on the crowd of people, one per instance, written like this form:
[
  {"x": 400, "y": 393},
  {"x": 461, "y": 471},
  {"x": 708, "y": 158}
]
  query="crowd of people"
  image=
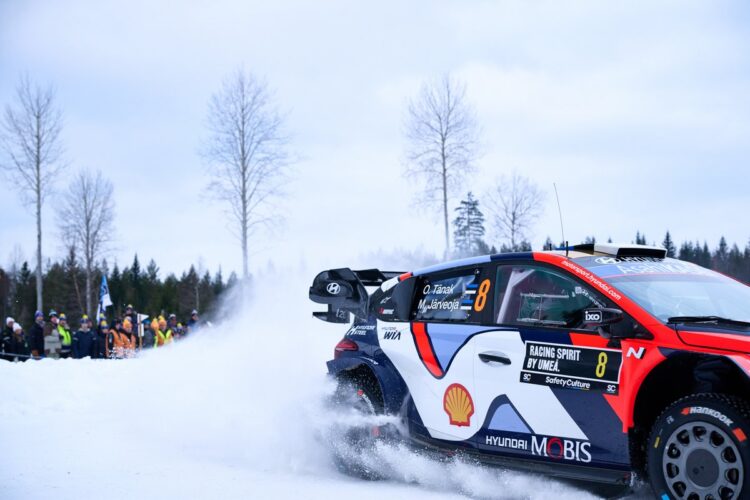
[{"x": 123, "y": 338}]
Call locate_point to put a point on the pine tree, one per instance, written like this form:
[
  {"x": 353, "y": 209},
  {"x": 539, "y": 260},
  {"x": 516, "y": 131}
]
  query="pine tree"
[
  {"x": 686, "y": 252},
  {"x": 721, "y": 256},
  {"x": 115, "y": 289},
  {"x": 668, "y": 245},
  {"x": 548, "y": 245},
  {"x": 468, "y": 235}
]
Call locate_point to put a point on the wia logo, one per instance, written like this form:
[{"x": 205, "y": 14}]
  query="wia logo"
[{"x": 392, "y": 335}]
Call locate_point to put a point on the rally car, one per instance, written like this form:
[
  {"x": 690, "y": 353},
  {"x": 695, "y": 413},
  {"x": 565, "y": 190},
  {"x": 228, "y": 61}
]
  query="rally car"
[{"x": 600, "y": 363}]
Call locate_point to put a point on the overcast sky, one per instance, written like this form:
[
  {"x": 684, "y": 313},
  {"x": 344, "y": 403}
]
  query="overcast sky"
[{"x": 639, "y": 111}]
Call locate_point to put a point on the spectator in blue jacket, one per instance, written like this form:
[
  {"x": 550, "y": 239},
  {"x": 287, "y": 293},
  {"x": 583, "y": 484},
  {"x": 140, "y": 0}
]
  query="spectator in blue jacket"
[{"x": 84, "y": 340}]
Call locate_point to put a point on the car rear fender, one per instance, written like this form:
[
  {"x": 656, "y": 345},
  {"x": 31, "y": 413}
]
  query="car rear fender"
[{"x": 391, "y": 385}]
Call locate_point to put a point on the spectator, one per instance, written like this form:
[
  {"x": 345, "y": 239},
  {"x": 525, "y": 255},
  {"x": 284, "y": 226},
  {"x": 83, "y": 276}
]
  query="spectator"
[
  {"x": 163, "y": 335},
  {"x": 6, "y": 336},
  {"x": 6, "y": 339},
  {"x": 130, "y": 314},
  {"x": 52, "y": 343},
  {"x": 100, "y": 349},
  {"x": 119, "y": 344},
  {"x": 18, "y": 347},
  {"x": 192, "y": 323},
  {"x": 102, "y": 338},
  {"x": 84, "y": 340},
  {"x": 37, "y": 336},
  {"x": 66, "y": 338},
  {"x": 178, "y": 332},
  {"x": 127, "y": 329},
  {"x": 8, "y": 330},
  {"x": 149, "y": 336}
]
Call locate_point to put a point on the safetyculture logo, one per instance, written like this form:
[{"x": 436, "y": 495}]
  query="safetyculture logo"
[{"x": 458, "y": 404}]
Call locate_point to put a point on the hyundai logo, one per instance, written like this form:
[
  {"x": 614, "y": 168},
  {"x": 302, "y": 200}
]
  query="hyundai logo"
[{"x": 333, "y": 288}]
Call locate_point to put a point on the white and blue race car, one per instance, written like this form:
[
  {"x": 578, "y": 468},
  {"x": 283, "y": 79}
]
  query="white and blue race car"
[{"x": 598, "y": 363}]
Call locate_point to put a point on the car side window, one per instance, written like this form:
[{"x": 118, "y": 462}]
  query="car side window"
[
  {"x": 538, "y": 296},
  {"x": 447, "y": 297}
]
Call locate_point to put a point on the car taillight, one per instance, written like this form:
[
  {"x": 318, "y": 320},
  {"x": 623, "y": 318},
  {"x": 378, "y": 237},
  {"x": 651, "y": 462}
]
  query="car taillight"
[{"x": 344, "y": 345}]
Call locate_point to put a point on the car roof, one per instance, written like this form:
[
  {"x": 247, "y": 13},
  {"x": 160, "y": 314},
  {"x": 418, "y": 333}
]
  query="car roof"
[{"x": 571, "y": 252}]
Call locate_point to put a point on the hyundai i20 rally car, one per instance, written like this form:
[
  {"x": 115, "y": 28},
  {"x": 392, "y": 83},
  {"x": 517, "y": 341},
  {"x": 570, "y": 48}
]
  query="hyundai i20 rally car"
[{"x": 599, "y": 363}]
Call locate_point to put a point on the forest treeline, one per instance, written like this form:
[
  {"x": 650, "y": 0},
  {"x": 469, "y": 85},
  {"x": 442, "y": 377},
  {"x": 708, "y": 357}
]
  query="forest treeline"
[
  {"x": 150, "y": 294},
  {"x": 134, "y": 284}
]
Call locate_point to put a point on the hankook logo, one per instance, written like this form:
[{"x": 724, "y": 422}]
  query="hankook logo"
[{"x": 333, "y": 288}]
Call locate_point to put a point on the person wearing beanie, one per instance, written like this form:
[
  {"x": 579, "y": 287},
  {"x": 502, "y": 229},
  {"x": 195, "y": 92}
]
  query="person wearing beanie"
[
  {"x": 149, "y": 336},
  {"x": 163, "y": 335},
  {"x": 84, "y": 340},
  {"x": 66, "y": 338},
  {"x": 37, "y": 336},
  {"x": 17, "y": 348},
  {"x": 102, "y": 340},
  {"x": 193, "y": 321},
  {"x": 6, "y": 336},
  {"x": 132, "y": 336},
  {"x": 52, "y": 344},
  {"x": 116, "y": 341},
  {"x": 8, "y": 330}
]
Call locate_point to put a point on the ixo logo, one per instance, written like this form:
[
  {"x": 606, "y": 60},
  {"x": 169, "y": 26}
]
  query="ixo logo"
[
  {"x": 333, "y": 288},
  {"x": 593, "y": 316}
]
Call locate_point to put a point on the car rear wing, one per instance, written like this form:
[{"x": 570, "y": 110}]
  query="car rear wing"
[{"x": 343, "y": 290}]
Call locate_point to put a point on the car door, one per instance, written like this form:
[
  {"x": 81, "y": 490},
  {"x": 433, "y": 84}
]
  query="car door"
[
  {"x": 547, "y": 376},
  {"x": 433, "y": 354}
]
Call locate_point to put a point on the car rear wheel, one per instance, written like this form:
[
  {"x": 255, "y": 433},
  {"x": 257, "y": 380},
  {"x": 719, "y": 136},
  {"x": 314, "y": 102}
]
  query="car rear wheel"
[
  {"x": 354, "y": 445},
  {"x": 699, "y": 449}
]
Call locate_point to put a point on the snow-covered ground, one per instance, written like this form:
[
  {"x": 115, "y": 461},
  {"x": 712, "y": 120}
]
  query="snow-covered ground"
[{"x": 235, "y": 412}]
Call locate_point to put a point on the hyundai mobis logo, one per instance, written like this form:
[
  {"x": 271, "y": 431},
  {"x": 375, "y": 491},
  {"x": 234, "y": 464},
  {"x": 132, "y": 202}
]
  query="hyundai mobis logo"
[
  {"x": 556, "y": 448},
  {"x": 333, "y": 288}
]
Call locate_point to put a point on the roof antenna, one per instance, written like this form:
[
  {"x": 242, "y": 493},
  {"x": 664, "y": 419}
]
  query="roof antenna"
[{"x": 559, "y": 211}]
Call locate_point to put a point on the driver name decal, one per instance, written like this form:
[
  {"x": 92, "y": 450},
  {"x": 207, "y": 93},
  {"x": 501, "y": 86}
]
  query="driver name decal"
[{"x": 572, "y": 367}]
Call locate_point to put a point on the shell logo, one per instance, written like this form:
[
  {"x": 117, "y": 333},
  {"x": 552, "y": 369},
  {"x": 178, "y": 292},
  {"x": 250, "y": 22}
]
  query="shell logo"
[{"x": 458, "y": 404}]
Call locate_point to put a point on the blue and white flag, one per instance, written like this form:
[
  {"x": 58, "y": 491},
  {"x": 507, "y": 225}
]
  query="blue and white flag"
[{"x": 104, "y": 298}]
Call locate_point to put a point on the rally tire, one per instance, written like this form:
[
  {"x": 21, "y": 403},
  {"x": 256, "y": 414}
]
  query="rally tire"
[
  {"x": 699, "y": 448},
  {"x": 353, "y": 451}
]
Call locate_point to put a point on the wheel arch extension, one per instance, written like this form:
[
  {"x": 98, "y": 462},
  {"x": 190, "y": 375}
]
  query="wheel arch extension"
[
  {"x": 678, "y": 376},
  {"x": 379, "y": 374}
]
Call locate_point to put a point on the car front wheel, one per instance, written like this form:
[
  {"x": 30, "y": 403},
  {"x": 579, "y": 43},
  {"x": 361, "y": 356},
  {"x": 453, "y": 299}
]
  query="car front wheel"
[{"x": 699, "y": 449}]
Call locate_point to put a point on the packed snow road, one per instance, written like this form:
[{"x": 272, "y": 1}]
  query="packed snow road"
[{"x": 234, "y": 412}]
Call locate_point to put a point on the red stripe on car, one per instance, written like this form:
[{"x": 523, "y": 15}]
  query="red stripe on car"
[{"x": 424, "y": 348}]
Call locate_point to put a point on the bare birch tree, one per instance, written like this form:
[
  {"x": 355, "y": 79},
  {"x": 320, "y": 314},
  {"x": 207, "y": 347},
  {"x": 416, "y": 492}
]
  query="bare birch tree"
[
  {"x": 248, "y": 151},
  {"x": 443, "y": 142},
  {"x": 32, "y": 146},
  {"x": 86, "y": 218},
  {"x": 514, "y": 204}
]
